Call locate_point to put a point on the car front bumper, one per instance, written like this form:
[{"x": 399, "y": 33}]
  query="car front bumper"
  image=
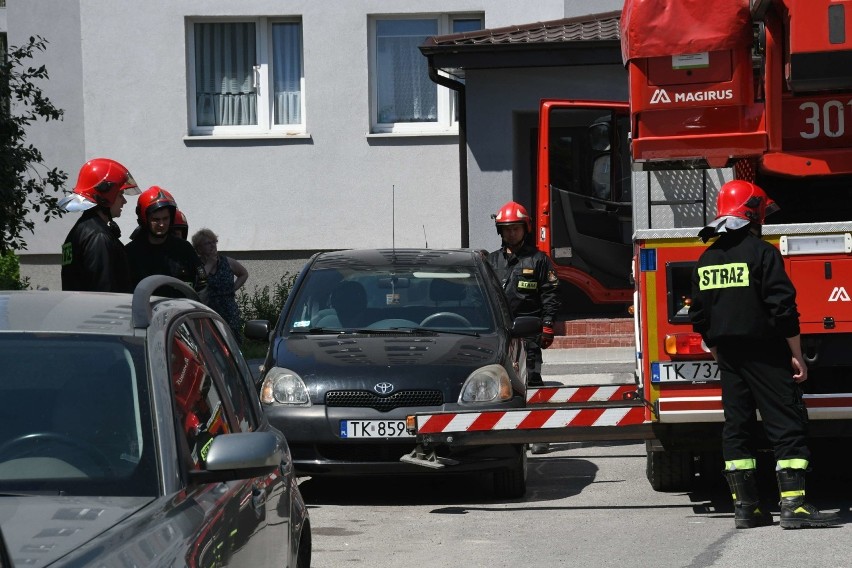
[{"x": 317, "y": 447}]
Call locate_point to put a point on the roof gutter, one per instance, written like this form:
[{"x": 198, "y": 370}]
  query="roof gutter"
[{"x": 458, "y": 87}]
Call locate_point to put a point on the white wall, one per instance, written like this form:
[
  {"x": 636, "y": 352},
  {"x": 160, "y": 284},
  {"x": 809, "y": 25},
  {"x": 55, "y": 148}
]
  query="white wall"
[{"x": 119, "y": 70}]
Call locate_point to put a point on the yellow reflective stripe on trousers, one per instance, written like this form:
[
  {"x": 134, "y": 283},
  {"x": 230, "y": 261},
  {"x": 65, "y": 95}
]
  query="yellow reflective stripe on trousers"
[
  {"x": 796, "y": 463},
  {"x": 738, "y": 465},
  {"x": 797, "y": 493}
]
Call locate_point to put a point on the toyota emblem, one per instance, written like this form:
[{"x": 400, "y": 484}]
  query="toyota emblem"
[{"x": 383, "y": 388}]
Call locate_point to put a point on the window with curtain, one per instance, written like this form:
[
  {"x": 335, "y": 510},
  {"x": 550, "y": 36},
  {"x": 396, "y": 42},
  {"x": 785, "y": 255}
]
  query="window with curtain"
[
  {"x": 287, "y": 72},
  {"x": 404, "y": 97},
  {"x": 404, "y": 91},
  {"x": 248, "y": 76},
  {"x": 225, "y": 58}
]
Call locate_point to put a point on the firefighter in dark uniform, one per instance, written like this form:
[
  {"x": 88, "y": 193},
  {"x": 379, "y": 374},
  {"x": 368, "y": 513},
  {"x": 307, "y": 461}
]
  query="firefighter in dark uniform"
[
  {"x": 744, "y": 307},
  {"x": 93, "y": 258},
  {"x": 154, "y": 249},
  {"x": 529, "y": 282}
]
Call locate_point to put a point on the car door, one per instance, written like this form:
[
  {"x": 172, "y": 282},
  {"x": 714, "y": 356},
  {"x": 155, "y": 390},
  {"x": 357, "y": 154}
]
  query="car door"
[
  {"x": 206, "y": 408},
  {"x": 263, "y": 532}
]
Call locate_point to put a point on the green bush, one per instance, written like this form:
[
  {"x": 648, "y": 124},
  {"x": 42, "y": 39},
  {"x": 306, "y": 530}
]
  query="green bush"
[
  {"x": 265, "y": 304},
  {"x": 10, "y": 273}
]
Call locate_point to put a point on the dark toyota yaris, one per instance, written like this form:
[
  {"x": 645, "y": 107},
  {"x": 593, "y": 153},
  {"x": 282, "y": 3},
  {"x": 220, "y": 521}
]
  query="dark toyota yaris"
[{"x": 368, "y": 337}]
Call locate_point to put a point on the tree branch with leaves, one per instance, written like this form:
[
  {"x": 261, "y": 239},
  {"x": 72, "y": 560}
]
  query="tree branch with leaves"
[{"x": 26, "y": 182}]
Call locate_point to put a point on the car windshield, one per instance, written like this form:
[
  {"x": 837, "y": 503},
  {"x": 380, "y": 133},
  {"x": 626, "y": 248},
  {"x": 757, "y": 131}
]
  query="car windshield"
[
  {"x": 449, "y": 299},
  {"x": 76, "y": 416}
]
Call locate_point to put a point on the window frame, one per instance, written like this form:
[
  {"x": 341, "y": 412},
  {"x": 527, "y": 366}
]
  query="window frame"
[
  {"x": 233, "y": 379},
  {"x": 216, "y": 383},
  {"x": 265, "y": 126},
  {"x": 446, "y": 122}
]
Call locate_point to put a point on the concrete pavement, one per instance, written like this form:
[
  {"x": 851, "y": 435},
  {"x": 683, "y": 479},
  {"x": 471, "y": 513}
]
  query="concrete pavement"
[{"x": 594, "y": 365}]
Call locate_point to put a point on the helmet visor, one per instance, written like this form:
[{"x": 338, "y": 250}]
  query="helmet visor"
[
  {"x": 130, "y": 187},
  {"x": 771, "y": 207},
  {"x": 75, "y": 202}
]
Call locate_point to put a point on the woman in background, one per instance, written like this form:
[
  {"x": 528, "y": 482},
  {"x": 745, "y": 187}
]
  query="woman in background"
[{"x": 224, "y": 277}]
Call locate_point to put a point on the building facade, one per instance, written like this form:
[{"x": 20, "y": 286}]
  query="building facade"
[{"x": 286, "y": 127}]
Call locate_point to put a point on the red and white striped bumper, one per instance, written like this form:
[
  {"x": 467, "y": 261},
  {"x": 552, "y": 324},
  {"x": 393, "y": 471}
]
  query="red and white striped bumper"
[{"x": 527, "y": 419}]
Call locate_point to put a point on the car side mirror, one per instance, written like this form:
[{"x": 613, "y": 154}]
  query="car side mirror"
[
  {"x": 240, "y": 456},
  {"x": 257, "y": 330},
  {"x": 525, "y": 326}
]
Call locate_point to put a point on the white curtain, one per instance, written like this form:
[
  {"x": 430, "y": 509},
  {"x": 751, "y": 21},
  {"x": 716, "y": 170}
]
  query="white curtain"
[
  {"x": 287, "y": 72},
  {"x": 404, "y": 91},
  {"x": 225, "y": 57}
]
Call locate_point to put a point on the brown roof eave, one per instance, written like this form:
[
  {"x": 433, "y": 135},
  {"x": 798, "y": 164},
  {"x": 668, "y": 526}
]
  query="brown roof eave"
[
  {"x": 542, "y": 54},
  {"x": 523, "y": 32}
]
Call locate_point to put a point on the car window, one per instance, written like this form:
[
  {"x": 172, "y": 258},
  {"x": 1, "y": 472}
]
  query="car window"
[
  {"x": 499, "y": 295},
  {"x": 198, "y": 402},
  {"x": 388, "y": 297},
  {"x": 76, "y": 416},
  {"x": 222, "y": 359}
]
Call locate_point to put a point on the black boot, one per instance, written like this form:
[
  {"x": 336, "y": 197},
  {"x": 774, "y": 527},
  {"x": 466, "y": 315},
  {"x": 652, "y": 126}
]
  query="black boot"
[
  {"x": 795, "y": 512},
  {"x": 534, "y": 379},
  {"x": 747, "y": 510}
]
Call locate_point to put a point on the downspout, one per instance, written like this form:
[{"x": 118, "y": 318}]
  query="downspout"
[{"x": 458, "y": 87}]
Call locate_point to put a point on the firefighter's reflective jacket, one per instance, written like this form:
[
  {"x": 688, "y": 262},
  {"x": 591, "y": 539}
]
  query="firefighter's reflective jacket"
[
  {"x": 740, "y": 280},
  {"x": 529, "y": 281}
]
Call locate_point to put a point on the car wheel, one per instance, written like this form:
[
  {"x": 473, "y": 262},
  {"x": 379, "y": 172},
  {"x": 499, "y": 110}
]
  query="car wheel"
[
  {"x": 303, "y": 558},
  {"x": 511, "y": 482}
]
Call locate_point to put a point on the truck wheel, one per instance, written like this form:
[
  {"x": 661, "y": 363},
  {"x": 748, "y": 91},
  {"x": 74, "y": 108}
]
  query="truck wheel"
[
  {"x": 511, "y": 483},
  {"x": 711, "y": 468},
  {"x": 670, "y": 470}
]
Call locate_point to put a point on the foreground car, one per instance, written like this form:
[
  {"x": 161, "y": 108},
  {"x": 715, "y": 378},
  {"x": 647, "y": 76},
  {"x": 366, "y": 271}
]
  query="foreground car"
[
  {"x": 368, "y": 337},
  {"x": 133, "y": 436}
]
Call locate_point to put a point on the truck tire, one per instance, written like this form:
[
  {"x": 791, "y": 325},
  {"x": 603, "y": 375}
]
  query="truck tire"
[
  {"x": 670, "y": 470},
  {"x": 711, "y": 469},
  {"x": 511, "y": 482}
]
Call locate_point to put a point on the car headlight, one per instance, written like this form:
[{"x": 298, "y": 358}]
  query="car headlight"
[
  {"x": 284, "y": 386},
  {"x": 487, "y": 384}
]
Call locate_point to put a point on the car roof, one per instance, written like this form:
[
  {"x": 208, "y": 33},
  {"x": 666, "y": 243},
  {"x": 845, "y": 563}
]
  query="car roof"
[
  {"x": 84, "y": 312},
  {"x": 366, "y": 258},
  {"x": 67, "y": 312}
]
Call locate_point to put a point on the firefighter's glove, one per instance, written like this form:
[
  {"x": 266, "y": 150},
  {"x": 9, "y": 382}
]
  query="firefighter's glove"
[{"x": 546, "y": 339}]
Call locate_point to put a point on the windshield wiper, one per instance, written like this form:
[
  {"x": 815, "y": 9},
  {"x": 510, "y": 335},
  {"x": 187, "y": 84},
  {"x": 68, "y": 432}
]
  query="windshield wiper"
[
  {"x": 43, "y": 493},
  {"x": 383, "y": 330},
  {"x": 391, "y": 330},
  {"x": 318, "y": 330},
  {"x": 470, "y": 333}
]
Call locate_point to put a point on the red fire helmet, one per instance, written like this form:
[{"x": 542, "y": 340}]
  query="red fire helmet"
[
  {"x": 99, "y": 182},
  {"x": 744, "y": 200},
  {"x": 153, "y": 199},
  {"x": 512, "y": 213},
  {"x": 180, "y": 221}
]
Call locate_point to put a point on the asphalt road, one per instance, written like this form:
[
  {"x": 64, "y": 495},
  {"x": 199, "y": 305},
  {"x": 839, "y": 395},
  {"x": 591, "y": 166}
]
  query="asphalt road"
[{"x": 586, "y": 506}]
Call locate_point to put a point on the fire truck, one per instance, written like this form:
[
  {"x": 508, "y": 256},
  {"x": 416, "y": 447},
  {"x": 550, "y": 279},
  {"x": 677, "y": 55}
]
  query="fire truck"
[{"x": 756, "y": 90}]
